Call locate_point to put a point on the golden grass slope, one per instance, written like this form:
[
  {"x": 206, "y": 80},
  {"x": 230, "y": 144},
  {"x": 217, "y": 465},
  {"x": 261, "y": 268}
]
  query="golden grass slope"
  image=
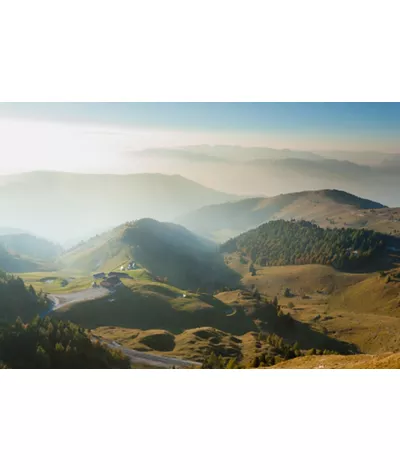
[
  {"x": 359, "y": 361},
  {"x": 194, "y": 344},
  {"x": 361, "y": 309},
  {"x": 378, "y": 294}
]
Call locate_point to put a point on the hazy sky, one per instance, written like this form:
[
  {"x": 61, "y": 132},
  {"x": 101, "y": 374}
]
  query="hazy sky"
[{"x": 96, "y": 136}]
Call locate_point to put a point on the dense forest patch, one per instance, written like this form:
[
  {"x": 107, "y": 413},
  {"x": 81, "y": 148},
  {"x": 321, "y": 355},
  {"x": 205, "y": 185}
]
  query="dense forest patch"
[
  {"x": 51, "y": 343},
  {"x": 288, "y": 242}
]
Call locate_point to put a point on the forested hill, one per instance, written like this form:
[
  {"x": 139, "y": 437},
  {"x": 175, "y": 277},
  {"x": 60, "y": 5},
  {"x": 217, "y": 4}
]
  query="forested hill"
[
  {"x": 17, "y": 300},
  {"x": 288, "y": 242}
]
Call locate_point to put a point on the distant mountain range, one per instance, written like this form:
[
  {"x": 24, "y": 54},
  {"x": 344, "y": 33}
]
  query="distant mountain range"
[
  {"x": 223, "y": 153},
  {"x": 261, "y": 170},
  {"x": 328, "y": 208},
  {"x": 62, "y": 206},
  {"x": 236, "y": 153}
]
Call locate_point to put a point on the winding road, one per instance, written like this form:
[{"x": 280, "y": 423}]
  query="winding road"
[
  {"x": 60, "y": 300},
  {"x": 147, "y": 359},
  {"x": 136, "y": 357}
]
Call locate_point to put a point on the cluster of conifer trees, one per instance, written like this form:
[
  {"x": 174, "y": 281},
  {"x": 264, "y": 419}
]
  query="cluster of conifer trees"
[
  {"x": 18, "y": 300},
  {"x": 299, "y": 242},
  {"x": 51, "y": 343}
]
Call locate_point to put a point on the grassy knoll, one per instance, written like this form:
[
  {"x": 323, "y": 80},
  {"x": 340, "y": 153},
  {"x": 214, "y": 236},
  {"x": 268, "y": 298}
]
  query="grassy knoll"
[{"x": 193, "y": 344}]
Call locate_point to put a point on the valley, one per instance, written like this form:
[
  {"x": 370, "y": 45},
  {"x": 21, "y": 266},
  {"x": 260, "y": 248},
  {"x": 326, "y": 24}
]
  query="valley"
[{"x": 289, "y": 289}]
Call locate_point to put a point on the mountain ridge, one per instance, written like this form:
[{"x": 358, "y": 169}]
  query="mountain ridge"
[
  {"x": 232, "y": 218},
  {"x": 62, "y": 205}
]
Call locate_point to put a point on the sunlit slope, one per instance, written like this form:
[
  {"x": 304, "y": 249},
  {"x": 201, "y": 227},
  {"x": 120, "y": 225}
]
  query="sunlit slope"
[
  {"x": 361, "y": 309},
  {"x": 359, "y": 361},
  {"x": 194, "y": 344},
  {"x": 304, "y": 279},
  {"x": 378, "y": 294}
]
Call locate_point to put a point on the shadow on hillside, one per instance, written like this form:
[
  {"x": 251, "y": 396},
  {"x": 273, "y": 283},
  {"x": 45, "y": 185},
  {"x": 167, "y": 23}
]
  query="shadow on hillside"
[
  {"x": 296, "y": 331},
  {"x": 383, "y": 262},
  {"x": 208, "y": 273},
  {"x": 145, "y": 310}
]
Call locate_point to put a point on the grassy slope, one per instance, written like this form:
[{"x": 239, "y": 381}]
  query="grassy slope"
[
  {"x": 193, "y": 344},
  {"x": 143, "y": 304},
  {"x": 373, "y": 295},
  {"x": 304, "y": 278},
  {"x": 236, "y": 313},
  {"x": 360, "y": 361},
  {"x": 165, "y": 250},
  {"x": 361, "y": 309},
  {"x": 74, "y": 282},
  {"x": 100, "y": 253}
]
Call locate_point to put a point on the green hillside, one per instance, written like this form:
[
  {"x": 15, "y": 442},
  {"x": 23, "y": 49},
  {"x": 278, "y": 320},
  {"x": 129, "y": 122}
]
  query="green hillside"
[
  {"x": 163, "y": 249},
  {"x": 153, "y": 305},
  {"x": 283, "y": 243}
]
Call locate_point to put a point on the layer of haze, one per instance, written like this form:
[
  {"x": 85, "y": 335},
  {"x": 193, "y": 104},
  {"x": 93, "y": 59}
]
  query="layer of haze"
[{"x": 241, "y": 149}]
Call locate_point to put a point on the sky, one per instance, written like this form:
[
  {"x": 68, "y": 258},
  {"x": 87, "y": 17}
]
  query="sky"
[{"x": 91, "y": 137}]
